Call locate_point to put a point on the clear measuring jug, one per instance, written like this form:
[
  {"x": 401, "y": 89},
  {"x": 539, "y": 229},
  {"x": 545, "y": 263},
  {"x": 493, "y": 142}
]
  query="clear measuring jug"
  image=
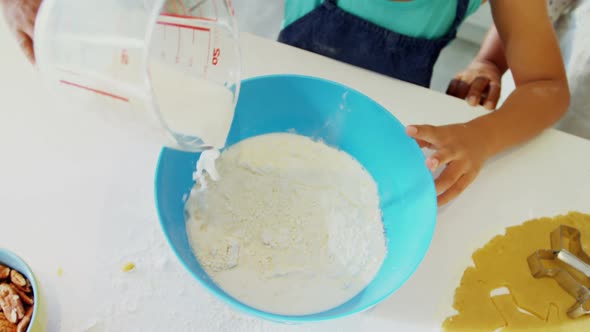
[{"x": 170, "y": 65}]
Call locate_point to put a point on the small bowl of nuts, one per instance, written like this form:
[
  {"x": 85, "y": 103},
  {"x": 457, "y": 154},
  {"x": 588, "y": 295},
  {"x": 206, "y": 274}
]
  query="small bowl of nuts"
[{"x": 18, "y": 294}]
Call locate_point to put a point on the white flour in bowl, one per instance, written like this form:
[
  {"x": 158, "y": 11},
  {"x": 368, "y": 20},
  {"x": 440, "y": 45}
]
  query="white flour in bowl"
[{"x": 291, "y": 226}]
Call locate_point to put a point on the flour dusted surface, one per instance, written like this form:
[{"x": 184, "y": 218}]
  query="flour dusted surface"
[{"x": 292, "y": 226}]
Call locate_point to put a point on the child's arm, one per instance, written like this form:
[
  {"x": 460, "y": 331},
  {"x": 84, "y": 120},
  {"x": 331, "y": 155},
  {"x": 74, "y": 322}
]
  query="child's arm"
[
  {"x": 480, "y": 82},
  {"x": 541, "y": 97}
]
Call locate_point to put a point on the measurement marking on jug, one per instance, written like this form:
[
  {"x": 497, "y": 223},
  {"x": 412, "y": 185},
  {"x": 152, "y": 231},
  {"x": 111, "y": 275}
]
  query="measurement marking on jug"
[
  {"x": 182, "y": 26},
  {"x": 100, "y": 92},
  {"x": 188, "y": 17},
  {"x": 124, "y": 57},
  {"x": 215, "y": 9},
  {"x": 216, "y": 55}
]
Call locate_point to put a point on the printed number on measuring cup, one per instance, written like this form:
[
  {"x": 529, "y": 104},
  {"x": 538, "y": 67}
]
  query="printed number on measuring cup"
[
  {"x": 216, "y": 54},
  {"x": 124, "y": 57}
]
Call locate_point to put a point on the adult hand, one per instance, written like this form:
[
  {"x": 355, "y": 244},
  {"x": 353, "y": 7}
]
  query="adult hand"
[{"x": 20, "y": 16}]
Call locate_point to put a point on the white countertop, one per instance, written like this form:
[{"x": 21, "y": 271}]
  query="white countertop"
[{"x": 78, "y": 196}]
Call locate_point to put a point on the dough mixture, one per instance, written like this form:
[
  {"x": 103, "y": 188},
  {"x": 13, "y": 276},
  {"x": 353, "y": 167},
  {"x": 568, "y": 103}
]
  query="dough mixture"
[
  {"x": 523, "y": 302},
  {"x": 291, "y": 226}
]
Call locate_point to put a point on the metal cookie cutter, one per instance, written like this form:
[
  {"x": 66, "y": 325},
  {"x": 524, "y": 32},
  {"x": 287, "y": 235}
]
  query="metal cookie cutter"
[{"x": 568, "y": 264}]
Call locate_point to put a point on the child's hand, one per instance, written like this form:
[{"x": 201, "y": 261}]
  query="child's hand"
[
  {"x": 459, "y": 146},
  {"x": 20, "y": 16},
  {"x": 479, "y": 83}
]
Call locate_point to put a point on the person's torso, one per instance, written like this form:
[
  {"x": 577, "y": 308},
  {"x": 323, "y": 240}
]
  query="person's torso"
[{"x": 416, "y": 18}]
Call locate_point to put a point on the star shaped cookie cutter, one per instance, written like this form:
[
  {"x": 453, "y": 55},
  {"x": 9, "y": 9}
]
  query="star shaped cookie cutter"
[{"x": 567, "y": 263}]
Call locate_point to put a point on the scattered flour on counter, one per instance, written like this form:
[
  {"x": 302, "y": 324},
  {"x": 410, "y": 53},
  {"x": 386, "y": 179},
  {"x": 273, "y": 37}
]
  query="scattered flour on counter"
[{"x": 291, "y": 226}]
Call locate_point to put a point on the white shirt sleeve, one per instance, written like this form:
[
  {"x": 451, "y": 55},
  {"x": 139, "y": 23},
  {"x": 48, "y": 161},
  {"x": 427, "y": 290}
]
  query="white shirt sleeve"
[
  {"x": 558, "y": 8},
  {"x": 573, "y": 31},
  {"x": 572, "y": 25}
]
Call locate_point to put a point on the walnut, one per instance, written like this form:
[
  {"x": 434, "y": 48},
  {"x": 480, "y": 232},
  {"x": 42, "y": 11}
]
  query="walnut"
[
  {"x": 5, "y": 325},
  {"x": 4, "y": 273},
  {"x": 18, "y": 279},
  {"x": 11, "y": 304},
  {"x": 16, "y": 295},
  {"x": 24, "y": 323},
  {"x": 26, "y": 288},
  {"x": 24, "y": 297}
]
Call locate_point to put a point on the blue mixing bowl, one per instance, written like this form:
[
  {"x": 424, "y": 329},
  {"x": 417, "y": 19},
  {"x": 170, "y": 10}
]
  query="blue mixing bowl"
[{"x": 343, "y": 118}]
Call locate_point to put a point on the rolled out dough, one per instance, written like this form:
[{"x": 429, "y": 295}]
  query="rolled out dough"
[{"x": 538, "y": 304}]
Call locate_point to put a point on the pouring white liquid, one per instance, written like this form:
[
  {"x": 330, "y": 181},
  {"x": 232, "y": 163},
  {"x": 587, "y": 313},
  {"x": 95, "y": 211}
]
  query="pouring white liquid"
[{"x": 192, "y": 106}]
